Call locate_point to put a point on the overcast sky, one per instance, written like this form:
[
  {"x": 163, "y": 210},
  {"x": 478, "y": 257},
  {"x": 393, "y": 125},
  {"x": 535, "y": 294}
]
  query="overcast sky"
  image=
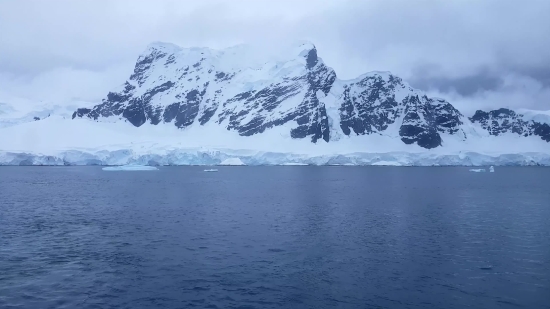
[{"x": 474, "y": 53}]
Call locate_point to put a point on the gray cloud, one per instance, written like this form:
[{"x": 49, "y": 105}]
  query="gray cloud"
[
  {"x": 467, "y": 85},
  {"x": 473, "y": 52},
  {"x": 541, "y": 74}
]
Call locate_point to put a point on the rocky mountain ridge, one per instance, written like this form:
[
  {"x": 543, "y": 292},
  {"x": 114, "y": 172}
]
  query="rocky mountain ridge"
[{"x": 200, "y": 86}]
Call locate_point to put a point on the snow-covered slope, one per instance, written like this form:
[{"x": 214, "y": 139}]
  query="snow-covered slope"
[
  {"x": 20, "y": 111},
  {"x": 187, "y": 86},
  {"x": 183, "y": 104}
]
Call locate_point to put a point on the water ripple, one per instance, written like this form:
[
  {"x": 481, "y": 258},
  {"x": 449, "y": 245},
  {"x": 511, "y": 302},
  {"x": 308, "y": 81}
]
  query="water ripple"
[{"x": 269, "y": 237}]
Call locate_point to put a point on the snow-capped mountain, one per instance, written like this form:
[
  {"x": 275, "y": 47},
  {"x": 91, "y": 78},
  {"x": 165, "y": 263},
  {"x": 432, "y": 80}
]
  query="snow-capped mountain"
[
  {"x": 201, "y": 106},
  {"x": 187, "y": 86},
  {"x": 504, "y": 120}
]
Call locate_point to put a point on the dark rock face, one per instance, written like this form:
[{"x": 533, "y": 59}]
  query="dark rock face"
[
  {"x": 447, "y": 118},
  {"x": 419, "y": 124},
  {"x": 186, "y": 111},
  {"x": 310, "y": 114},
  {"x": 251, "y": 120},
  {"x": 370, "y": 106},
  {"x": 311, "y": 58},
  {"x": 191, "y": 87},
  {"x": 81, "y": 112},
  {"x": 504, "y": 120},
  {"x": 114, "y": 105},
  {"x": 542, "y": 130},
  {"x": 501, "y": 121}
]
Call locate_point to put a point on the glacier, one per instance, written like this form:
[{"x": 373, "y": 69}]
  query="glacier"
[
  {"x": 237, "y": 106},
  {"x": 212, "y": 157},
  {"x": 232, "y": 161}
]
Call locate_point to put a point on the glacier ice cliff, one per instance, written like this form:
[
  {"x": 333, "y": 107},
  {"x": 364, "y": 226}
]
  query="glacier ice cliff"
[{"x": 224, "y": 157}]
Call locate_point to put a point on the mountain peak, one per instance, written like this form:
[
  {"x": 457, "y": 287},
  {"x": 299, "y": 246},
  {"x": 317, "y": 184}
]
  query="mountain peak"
[
  {"x": 162, "y": 46},
  {"x": 304, "y": 45}
]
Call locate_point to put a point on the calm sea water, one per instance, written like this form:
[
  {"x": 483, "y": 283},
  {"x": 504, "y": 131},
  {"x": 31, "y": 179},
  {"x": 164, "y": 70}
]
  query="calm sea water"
[{"x": 274, "y": 237}]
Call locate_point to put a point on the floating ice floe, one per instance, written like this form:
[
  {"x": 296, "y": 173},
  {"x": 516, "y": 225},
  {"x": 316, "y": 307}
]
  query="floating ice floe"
[
  {"x": 130, "y": 168},
  {"x": 478, "y": 170},
  {"x": 491, "y": 169},
  {"x": 211, "y": 170}
]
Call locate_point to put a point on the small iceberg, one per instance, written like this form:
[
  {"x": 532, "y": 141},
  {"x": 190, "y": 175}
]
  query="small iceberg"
[
  {"x": 492, "y": 169},
  {"x": 232, "y": 161},
  {"x": 478, "y": 170},
  {"x": 211, "y": 170},
  {"x": 129, "y": 168}
]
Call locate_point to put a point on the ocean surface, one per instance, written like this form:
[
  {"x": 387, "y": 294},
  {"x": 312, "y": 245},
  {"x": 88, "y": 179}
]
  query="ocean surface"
[{"x": 274, "y": 237}]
